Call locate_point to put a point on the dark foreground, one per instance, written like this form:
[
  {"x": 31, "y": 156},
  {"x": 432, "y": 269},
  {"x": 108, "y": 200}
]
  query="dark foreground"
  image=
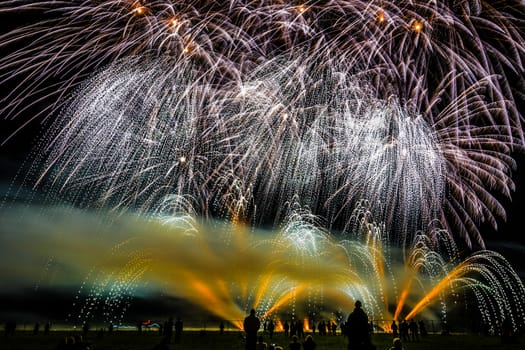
[{"x": 195, "y": 340}]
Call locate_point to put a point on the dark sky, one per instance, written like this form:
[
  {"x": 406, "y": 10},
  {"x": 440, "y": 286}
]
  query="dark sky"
[{"x": 509, "y": 239}]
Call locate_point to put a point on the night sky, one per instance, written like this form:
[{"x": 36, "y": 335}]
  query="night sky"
[{"x": 18, "y": 140}]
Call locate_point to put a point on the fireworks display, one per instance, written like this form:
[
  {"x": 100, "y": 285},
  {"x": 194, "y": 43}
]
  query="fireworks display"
[
  {"x": 300, "y": 271},
  {"x": 133, "y": 136},
  {"x": 450, "y": 64},
  {"x": 242, "y": 111}
]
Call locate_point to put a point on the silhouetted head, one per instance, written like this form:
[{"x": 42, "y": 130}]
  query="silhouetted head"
[
  {"x": 357, "y": 304},
  {"x": 397, "y": 343},
  {"x": 252, "y": 312}
]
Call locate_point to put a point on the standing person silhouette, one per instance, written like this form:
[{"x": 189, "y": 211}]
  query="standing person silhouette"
[
  {"x": 394, "y": 328},
  {"x": 309, "y": 343},
  {"x": 396, "y": 345},
  {"x": 295, "y": 345},
  {"x": 357, "y": 328},
  {"x": 251, "y": 327},
  {"x": 178, "y": 330},
  {"x": 271, "y": 328},
  {"x": 168, "y": 329}
]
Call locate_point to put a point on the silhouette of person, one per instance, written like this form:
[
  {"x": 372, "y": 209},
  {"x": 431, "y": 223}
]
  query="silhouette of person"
[
  {"x": 403, "y": 330},
  {"x": 251, "y": 327},
  {"x": 413, "y": 330},
  {"x": 271, "y": 328},
  {"x": 322, "y": 328},
  {"x": 357, "y": 329},
  {"x": 394, "y": 328},
  {"x": 422, "y": 328},
  {"x": 293, "y": 329},
  {"x": 221, "y": 327},
  {"x": 36, "y": 328},
  {"x": 309, "y": 343},
  {"x": 299, "y": 329},
  {"x": 168, "y": 329},
  {"x": 396, "y": 344},
  {"x": 178, "y": 330},
  {"x": 295, "y": 345},
  {"x": 47, "y": 327},
  {"x": 286, "y": 328}
]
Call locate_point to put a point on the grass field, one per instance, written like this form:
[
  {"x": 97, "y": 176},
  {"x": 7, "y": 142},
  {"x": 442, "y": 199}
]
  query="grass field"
[{"x": 128, "y": 340}]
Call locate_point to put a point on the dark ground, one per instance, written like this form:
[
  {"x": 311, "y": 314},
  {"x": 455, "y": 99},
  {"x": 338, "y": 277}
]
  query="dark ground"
[{"x": 200, "y": 340}]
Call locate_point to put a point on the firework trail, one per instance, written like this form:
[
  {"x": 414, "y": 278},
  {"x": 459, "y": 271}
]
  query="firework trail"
[
  {"x": 464, "y": 42},
  {"x": 455, "y": 68},
  {"x": 139, "y": 132}
]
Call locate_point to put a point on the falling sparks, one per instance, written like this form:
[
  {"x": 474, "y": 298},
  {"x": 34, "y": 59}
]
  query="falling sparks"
[{"x": 242, "y": 136}]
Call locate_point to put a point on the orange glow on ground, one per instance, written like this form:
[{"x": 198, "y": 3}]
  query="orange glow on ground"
[{"x": 306, "y": 325}]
